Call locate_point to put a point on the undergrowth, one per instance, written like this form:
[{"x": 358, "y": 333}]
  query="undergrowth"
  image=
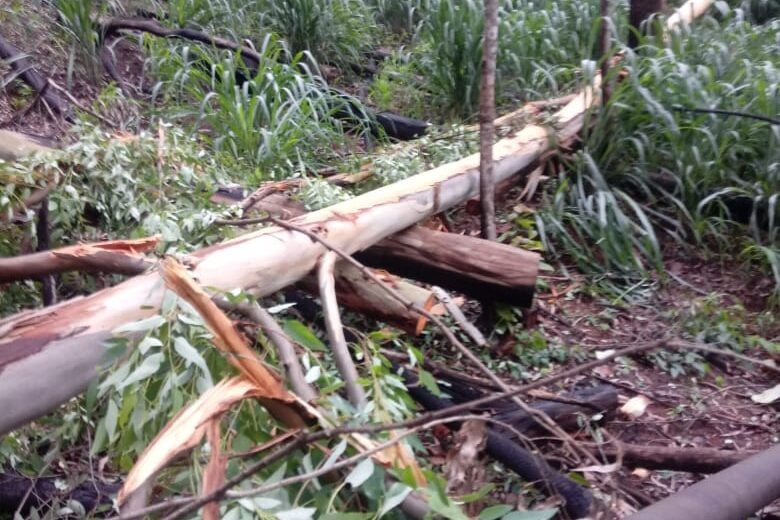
[{"x": 650, "y": 172}]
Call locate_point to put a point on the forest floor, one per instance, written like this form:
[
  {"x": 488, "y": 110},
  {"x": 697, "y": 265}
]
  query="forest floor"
[{"x": 693, "y": 401}]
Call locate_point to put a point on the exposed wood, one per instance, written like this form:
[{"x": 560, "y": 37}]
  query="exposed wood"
[
  {"x": 284, "y": 347},
  {"x": 692, "y": 460},
  {"x": 14, "y": 145},
  {"x": 356, "y": 293},
  {"x": 115, "y": 256},
  {"x": 25, "y": 70},
  {"x": 479, "y": 268},
  {"x": 736, "y": 492}
]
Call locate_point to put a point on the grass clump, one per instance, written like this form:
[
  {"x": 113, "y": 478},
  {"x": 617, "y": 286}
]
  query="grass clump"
[{"x": 703, "y": 180}]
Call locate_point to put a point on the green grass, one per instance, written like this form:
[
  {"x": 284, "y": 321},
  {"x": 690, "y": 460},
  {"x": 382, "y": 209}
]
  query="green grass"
[{"x": 648, "y": 173}]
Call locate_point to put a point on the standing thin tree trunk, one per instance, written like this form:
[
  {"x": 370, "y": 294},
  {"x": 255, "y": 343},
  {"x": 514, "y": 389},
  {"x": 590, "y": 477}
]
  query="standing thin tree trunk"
[
  {"x": 43, "y": 232},
  {"x": 604, "y": 37},
  {"x": 487, "y": 113}
]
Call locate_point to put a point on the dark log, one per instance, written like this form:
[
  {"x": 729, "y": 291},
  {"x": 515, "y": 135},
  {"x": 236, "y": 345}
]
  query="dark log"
[
  {"x": 401, "y": 127},
  {"x": 692, "y": 460},
  {"x": 21, "y": 493},
  {"x": 483, "y": 270},
  {"x": 499, "y": 446},
  {"x": 48, "y": 285},
  {"x": 640, "y": 14},
  {"x": 24, "y": 68},
  {"x": 478, "y": 268},
  {"x": 567, "y": 410},
  {"x": 734, "y": 493}
]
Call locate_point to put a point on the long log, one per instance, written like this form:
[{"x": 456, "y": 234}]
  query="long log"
[
  {"x": 736, "y": 492},
  {"x": 20, "y": 493},
  {"x": 49, "y": 356},
  {"x": 482, "y": 269},
  {"x": 692, "y": 460}
]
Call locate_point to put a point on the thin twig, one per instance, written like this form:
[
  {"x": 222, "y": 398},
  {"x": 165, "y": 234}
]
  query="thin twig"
[
  {"x": 538, "y": 415},
  {"x": 457, "y": 314},
  {"x": 241, "y": 221},
  {"x": 81, "y": 106},
  {"x": 722, "y": 112},
  {"x": 338, "y": 343},
  {"x": 284, "y": 347}
]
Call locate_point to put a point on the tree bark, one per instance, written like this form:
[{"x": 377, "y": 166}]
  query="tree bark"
[
  {"x": 487, "y": 114},
  {"x": 478, "y": 268},
  {"x": 115, "y": 256},
  {"x": 736, "y": 492},
  {"x": 692, "y": 460}
]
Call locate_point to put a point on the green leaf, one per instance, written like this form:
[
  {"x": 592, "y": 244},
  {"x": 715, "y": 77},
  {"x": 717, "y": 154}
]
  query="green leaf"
[
  {"x": 335, "y": 454},
  {"x": 112, "y": 413},
  {"x": 493, "y": 512},
  {"x": 150, "y": 323},
  {"x": 191, "y": 355},
  {"x": 346, "y": 516},
  {"x": 441, "y": 504},
  {"x": 544, "y": 514},
  {"x": 360, "y": 473},
  {"x": 303, "y": 335},
  {"x": 395, "y": 495},
  {"x": 429, "y": 382},
  {"x": 149, "y": 367},
  {"x": 299, "y": 513}
]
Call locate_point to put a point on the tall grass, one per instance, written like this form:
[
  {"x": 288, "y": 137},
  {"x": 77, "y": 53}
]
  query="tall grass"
[
  {"x": 541, "y": 47},
  {"x": 707, "y": 181},
  {"x": 272, "y": 117},
  {"x": 333, "y": 31},
  {"x": 75, "y": 18}
]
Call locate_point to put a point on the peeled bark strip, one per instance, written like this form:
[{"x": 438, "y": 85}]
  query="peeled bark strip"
[
  {"x": 356, "y": 293},
  {"x": 115, "y": 256},
  {"x": 481, "y": 269}
]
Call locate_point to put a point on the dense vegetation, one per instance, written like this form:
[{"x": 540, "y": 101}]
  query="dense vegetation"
[{"x": 648, "y": 181}]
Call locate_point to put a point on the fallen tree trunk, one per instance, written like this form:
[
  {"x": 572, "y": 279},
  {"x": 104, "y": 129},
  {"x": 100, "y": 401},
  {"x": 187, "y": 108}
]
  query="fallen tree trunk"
[
  {"x": 692, "y": 460},
  {"x": 14, "y": 145},
  {"x": 736, "y": 492},
  {"x": 46, "y": 357},
  {"x": 482, "y": 269},
  {"x": 49, "y": 356},
  {"x": 23, "y": 67}
]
